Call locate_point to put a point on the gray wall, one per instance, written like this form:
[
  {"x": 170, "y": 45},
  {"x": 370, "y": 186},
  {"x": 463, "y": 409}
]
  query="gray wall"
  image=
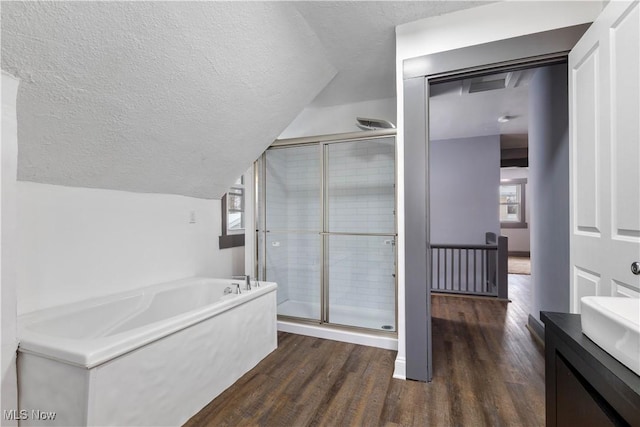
[
  {"x": 549, "y": 182},
  {"x": 464, "y": 183}
]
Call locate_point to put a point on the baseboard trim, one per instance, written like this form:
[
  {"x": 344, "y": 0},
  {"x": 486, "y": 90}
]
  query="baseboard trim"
[
  {"x": 536, "y": 328},
  {"x": 400, "y": 369},
  {"x": 520, "y": 253}
]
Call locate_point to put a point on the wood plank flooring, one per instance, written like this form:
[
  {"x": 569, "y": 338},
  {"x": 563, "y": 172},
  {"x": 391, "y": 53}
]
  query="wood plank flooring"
[{"x": 488, "y": 371}]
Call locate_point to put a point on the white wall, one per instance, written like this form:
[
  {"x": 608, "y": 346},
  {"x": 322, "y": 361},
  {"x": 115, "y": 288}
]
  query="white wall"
[
  {"x": 469, "y": 27},
  {"x": 8, "y": 176},
  {"x": 78, "y": 243},
  {"x": 63, "y": 244},
  {"x": 314, "y": 121},
  {"x": 463, "y": 193},
  {"x": 519, "y": 238}
]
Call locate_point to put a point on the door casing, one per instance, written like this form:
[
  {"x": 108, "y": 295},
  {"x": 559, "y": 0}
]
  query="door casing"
[{"x": 513, "y": 53}]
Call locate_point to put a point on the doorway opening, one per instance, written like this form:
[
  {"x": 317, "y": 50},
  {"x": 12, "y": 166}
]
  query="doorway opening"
[
  {"x": 498, "y": 152},
  {"x": 544, "y": 48}
]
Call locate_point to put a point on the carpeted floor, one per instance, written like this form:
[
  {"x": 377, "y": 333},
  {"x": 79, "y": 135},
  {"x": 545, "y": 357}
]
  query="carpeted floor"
[{"x": 519, "y": 265}]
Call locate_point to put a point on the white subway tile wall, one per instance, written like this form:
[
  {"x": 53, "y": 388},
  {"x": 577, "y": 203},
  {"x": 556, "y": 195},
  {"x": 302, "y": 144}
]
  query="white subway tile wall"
[
  {"x": 304, "y": 269},
  {"x": 293, "y": 219},
  {"x": 361, "y": 199},
  {"x": 293, "y": 189},
  {"x": 361, "y": 186},
  {"x": 361, "y": 272},
  {"x": 276, "y": 256}
]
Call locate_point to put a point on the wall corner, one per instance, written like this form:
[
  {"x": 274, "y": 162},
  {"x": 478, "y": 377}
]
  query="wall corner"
[{"x": 8, "y": 292}]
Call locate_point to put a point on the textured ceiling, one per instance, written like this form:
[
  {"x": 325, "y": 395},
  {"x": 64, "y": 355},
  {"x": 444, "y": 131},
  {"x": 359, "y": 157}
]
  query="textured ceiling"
[
  {"x": 167, "y": 97},
  {"x": 360, "y": 40},
  {"x": 181, "y": 97}
]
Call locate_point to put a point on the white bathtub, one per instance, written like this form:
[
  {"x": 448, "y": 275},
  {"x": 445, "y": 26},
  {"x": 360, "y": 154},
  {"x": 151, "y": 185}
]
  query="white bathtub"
[{"x": 153, "y": 356}]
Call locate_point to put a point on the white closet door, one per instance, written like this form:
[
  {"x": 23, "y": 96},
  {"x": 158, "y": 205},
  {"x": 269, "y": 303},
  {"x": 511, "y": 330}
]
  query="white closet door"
[{"x": 604, "y": 93}]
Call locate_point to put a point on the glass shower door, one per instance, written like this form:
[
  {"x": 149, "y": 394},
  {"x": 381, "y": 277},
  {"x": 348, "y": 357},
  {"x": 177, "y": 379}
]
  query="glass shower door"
[
  {"x": 291, "y": 237},
  {"x": 360, "y": 230},
  {"x": 361, "y": 278}
]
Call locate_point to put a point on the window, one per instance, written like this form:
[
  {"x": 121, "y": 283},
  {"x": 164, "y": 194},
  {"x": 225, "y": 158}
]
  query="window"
[
  {"x": 233, "y": 216},
  {"x": 512, "y": 203},
  {"x": 235, "y": 208}
]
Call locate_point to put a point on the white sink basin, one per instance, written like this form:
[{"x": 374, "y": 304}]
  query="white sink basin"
[{"x": 614, "y": 324}]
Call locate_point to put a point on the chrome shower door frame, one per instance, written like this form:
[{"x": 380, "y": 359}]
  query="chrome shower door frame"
[{"x": 261, "y": 231}]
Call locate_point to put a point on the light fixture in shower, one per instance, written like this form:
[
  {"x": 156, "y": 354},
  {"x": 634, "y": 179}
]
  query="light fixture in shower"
[
  {"x": 374, "y": 124},
  {"x": 505, "y": 119}
]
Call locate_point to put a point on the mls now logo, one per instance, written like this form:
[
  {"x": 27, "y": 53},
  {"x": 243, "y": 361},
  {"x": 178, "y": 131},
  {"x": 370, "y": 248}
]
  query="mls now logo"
[
  {"x": 23, "y": 415},
  {"x": 14, "y": 414}
]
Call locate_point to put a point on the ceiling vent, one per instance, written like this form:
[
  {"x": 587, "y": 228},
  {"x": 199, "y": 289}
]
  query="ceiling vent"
[
  {"x": 484, "y": 86},
  {"x": 374, "y": 124},
  {"x": 511, "y": 79}
]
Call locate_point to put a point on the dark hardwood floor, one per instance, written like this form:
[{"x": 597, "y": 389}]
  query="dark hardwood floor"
[{"x": 488, "y": 371}]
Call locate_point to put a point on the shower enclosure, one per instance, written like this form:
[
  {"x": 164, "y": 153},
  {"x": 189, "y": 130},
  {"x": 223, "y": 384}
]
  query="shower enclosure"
[{"x": 326, "y": 229}]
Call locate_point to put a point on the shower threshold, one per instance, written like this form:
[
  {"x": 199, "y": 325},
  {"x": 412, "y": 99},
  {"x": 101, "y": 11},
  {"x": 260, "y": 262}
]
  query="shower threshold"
[{"x": 375, "y": 319}]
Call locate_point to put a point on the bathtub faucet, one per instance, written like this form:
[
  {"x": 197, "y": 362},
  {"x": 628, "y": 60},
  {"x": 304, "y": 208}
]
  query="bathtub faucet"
[
  {"x": 247, "y": 279},
  {"x": 237, "y": 286}
]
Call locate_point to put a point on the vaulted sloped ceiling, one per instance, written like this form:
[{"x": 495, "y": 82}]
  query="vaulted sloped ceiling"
[
  {"x": 180, "y": 97},
  {"x": 360, "y": 37},
  {"x": 169, "y": 97}
]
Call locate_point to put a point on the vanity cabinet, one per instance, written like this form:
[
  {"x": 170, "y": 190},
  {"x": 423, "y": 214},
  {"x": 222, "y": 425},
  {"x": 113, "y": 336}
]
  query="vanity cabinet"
[{"x": 584, "y": 385}]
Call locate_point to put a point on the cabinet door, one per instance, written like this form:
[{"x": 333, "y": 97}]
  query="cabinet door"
[{"x": 576, "y": 405}]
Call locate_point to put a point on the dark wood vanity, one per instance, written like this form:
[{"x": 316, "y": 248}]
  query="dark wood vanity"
[{"x": 584, "y": 385}]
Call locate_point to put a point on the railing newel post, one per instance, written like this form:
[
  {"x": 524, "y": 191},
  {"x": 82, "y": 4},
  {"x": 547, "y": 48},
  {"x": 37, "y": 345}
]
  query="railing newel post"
[{"x": 503, "y": 273}]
